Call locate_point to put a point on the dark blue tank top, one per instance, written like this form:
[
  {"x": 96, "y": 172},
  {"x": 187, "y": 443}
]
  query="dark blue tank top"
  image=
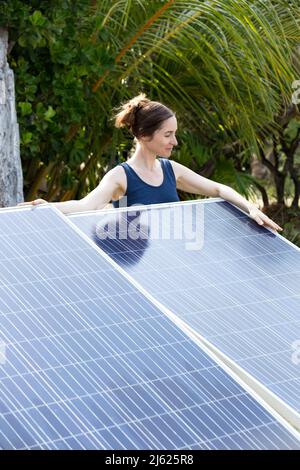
[{"x": 139, "y": 192}]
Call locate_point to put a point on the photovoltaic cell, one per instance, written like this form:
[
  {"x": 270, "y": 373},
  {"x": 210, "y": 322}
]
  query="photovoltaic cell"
[
  {"x": 240, "y": 289},
  {"x": 91, "y": 363}
]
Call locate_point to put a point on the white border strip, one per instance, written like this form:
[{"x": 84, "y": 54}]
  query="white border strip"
[
  {"x": 114, "y": 209},
  {"x": 146, "y": 207},
  {"x": 17, "y": 208}
]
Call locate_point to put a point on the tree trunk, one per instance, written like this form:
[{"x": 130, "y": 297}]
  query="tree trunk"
[
  {"x": 279, "y": 183},
  {"x": 295, "y": 203},
  {"x": 11, "y": 176}
]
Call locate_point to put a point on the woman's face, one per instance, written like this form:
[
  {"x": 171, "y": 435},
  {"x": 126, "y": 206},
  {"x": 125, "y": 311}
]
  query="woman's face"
[{"x": 163, "y": 139}]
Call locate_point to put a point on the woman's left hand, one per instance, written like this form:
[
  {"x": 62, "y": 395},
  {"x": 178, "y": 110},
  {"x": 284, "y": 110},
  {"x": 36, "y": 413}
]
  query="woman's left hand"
[{"x": 263, "y": 219}]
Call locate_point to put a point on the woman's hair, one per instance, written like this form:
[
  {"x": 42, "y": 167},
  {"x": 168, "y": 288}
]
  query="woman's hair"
[{"x": 142, "y": 116}]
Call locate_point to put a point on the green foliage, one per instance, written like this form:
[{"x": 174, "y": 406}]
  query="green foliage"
[
  {"x": 192, "y": 153},
  {"x": 55, "y": 63},
  {"x": 292, "y": 231},
  {"x": 224, "y": 66},
  {"x": 288, "y": 218},
  {"x": 291, "y": 130},
  {"x": 226, "y": 173}
]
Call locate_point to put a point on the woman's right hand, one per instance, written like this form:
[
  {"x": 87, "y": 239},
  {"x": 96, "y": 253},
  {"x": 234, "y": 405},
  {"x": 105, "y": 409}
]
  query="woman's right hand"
[{"x": 35, "y": 202}]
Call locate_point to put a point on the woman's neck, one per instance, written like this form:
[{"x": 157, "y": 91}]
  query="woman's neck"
[{"x": 143, "y": 159}]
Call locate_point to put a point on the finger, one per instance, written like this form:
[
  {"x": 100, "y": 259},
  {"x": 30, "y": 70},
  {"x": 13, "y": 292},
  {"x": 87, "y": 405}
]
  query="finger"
[
  {"x": 276, "y": 226},
  {"x": 258, "y": 220},
  {"x": 273, "y": 225},
  {"x": 270, "y": 223},
  {"x": 35, "y": 202},
  {"x": 267, "y": 223}
]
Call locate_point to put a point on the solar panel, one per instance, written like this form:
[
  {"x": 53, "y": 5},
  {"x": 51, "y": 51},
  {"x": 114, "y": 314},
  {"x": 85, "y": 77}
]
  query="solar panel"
[
  {"x": 239, "y": 289},
  {"x": 91, "y": 363}
]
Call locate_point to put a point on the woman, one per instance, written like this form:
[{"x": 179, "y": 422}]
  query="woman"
[{"x": 145, "y": 179}]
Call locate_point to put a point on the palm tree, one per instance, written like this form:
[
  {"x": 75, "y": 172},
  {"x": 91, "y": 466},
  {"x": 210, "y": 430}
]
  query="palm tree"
[{"x": 225, "y": 66}]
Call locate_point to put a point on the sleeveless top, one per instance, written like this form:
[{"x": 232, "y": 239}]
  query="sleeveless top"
[{"x": 139, "y": 192}]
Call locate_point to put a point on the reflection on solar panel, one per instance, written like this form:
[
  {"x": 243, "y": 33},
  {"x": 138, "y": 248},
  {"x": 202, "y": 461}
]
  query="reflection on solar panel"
[
  {"x": 240, "y": 289},
  {"x": 91, "y": 363}
]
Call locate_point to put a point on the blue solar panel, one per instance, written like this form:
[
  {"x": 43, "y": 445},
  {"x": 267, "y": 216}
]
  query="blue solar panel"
[
  {"x": 239, "y": 289},
  {"x": 91, "y": 363}
]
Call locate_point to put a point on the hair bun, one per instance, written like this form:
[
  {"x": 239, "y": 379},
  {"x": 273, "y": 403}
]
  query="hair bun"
[
  {"x": 145, "y": 122},
  {"x": 127, "y": 112},
  {"x": 137, "y": 102}
]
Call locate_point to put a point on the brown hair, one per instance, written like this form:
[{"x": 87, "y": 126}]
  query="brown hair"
[{"x": 142, "y": 116}]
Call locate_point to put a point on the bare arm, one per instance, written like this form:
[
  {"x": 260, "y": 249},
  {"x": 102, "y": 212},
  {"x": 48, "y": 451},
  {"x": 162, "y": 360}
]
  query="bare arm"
[
  {"x": 96, "y": 199},
  {"x": 189, "y": 181}
]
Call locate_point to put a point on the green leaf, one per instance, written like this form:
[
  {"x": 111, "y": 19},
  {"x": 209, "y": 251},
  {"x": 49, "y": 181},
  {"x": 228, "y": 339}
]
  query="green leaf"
[
  {"x": 40, "y": 109},
  {"x": 37, "y": 18},
  {"x": 22, "y": 41},
  {"x": 26, "y": 108},
  {"x": 49, "y": 114},
  {"x": 26, "y": 138}
]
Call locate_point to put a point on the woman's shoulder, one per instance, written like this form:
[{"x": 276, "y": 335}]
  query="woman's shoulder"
[
  {"x": 117, "y": 174},
  {"x": 176, "y": 167},
  {"x": 168, "y": 162}
]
